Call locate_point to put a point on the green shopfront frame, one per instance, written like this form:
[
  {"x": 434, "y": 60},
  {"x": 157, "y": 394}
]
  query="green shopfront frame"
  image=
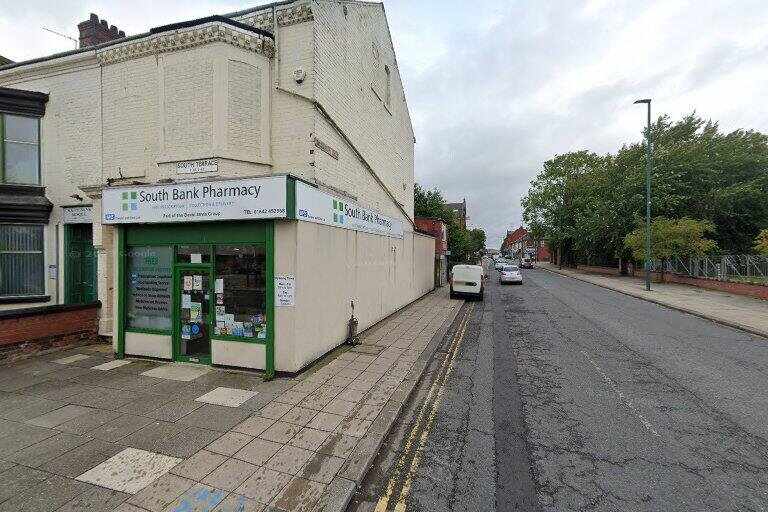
[{"x": 259, "y": 233}]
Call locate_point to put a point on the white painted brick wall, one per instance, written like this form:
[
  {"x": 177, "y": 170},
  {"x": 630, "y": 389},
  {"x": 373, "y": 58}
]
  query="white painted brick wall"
[{"x": 346, "y": 68}]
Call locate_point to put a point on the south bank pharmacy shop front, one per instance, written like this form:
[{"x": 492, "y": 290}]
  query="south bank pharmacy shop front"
[{"x": 195, "y": 267}]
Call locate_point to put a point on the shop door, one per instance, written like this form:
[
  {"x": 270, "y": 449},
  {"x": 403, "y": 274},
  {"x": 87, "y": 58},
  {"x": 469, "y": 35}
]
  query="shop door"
[
  {"x": 79, "y": 264},
  {"x": 192, "y": 320}
]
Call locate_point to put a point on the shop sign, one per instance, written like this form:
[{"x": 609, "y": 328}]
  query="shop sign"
[
  {"x": 255, "y": 198},
  {"x": 314, "y": 205},
  {"x": 197, "y": 166},
  {"x": 77, "y": 214}
]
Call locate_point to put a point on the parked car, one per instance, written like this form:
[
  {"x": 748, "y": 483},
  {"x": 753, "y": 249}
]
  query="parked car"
[
  {"x": 526, "y": 263},
  {"x": 510, "y": 274},
  {"x": 467, "y": 281}
]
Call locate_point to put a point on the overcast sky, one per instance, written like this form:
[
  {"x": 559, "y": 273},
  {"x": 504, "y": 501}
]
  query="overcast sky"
[{"x": 497, "y": 87}]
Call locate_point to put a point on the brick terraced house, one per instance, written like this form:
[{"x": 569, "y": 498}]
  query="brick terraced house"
[{"x": 232, "y": 189}]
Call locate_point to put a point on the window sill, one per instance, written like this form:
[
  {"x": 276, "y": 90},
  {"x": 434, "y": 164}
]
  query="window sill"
[
  {"x": 261, "y": 341},
  {"x": 24, "y": 299}
]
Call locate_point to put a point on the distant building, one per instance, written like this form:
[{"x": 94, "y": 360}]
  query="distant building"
[
  {"x": 437, "y": 229},
  {"x": 519, "y": 243},
  {"x": 460, "y": 209}
]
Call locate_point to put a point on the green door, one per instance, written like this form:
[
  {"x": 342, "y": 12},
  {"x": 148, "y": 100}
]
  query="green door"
[
  {"x": 79, "y": 264},
  {"x": 192, "y": 318}
]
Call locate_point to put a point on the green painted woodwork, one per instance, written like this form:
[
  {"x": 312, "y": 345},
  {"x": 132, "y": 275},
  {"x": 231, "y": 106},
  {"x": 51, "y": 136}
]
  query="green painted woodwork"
[
  {"x": 203, "y": 233},
  {"x": 178, "y": 269},
  {"x": 290, "y": 195},
  {"x": 121, "y": 295},
  {"x": 79, "y": 264}
]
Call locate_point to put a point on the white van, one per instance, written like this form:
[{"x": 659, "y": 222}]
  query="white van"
[{"x": 467, "y": 280}]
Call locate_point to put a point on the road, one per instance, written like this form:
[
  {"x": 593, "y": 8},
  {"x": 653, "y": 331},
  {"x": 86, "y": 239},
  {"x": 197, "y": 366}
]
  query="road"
[{"x": 559, "y": 395}]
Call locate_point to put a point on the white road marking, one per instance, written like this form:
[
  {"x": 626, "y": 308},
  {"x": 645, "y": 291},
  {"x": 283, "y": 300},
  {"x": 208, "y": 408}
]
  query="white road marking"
[{"x": 624, "y": 399}]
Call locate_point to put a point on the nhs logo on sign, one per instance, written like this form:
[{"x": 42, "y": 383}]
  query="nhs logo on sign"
[{"x": 109, "y": 216}]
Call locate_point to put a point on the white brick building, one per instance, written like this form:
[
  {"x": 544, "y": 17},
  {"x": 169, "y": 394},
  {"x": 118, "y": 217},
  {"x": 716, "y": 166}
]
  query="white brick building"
[{"x": 303, "y": 99}]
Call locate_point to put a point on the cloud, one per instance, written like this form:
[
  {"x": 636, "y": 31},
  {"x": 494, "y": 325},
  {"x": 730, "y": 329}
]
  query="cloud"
[{"x": 514, "y": 84}]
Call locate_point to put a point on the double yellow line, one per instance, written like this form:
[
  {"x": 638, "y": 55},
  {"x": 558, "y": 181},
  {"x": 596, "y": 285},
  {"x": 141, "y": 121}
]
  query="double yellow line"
[{"x": 415, "y": 442}]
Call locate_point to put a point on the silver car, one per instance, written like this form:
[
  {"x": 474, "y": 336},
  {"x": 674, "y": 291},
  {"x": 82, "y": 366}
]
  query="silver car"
[{"x": 510, "y": 274}]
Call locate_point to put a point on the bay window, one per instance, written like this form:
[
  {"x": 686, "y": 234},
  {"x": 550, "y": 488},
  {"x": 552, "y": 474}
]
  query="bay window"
[{"x": 22, "y": 267}]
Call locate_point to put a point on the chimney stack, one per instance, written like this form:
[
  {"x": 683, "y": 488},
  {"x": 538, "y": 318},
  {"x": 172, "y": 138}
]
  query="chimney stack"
[{"x": 94, "y": 31}]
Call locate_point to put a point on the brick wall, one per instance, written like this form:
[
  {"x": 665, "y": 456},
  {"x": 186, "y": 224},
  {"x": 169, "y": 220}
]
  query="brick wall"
[
  {"x": 34, "y": 330},
  {"x": 592, "y": 269},
  {"x": 750, "y": 290}
]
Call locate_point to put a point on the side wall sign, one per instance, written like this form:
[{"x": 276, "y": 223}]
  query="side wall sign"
[
  {"x": 314, "y": 205},
  {"x": 256, "y": 198}
]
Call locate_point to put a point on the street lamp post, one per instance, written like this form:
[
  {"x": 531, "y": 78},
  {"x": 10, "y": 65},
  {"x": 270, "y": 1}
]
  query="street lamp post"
[{"x": 647, "y": 197}]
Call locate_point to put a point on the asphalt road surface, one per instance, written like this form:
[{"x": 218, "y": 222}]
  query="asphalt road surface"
[{"x": 560, "y": 395}]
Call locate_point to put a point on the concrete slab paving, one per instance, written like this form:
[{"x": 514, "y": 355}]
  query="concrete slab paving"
[
  {"x": 200, "y": 465},
  {"x": 235, "y": 439},
  {"x": 263, "y": 485},
  {"x": 111, "y": 365},
  {"x": 200, "y": 498},
  {"x": 58, "y": 416},
  {"x": 178, "y": 372},
  {"x": 230, "y": 474},
  {"x": 130, "y": 470},
  {"x": 71, "y": 359},
  {"x": 228, "y": 397}
]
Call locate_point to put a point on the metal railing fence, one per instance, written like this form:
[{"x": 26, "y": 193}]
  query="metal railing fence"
[{"x": 748, "y": 268}]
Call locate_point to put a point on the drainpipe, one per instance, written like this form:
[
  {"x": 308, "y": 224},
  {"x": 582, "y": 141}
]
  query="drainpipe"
[{"x": 56, "y": 261}]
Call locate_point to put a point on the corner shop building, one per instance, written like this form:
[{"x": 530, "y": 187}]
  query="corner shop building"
[
  {"x": 271, "y": 126},
  {"x": 258, "y": 272}
]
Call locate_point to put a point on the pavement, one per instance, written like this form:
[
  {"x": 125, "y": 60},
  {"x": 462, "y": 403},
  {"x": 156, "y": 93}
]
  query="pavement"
[
  {"x": 81, "y": 431},
  {"x": 565, "y": 396},
  {"x": 739, "y": 311}
]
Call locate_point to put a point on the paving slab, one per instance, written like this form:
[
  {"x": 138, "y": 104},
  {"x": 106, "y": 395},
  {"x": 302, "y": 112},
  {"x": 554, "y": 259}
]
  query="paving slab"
[
  {"x": 95, "y": 499},
  {"x": 263, "y": 485},
  {"x": 177, "y": 372},
  {"x": 230, "y": 474},
  {"x": 58, "y": 416},
  {"x": 214, "y": 417},
  {"x": 79, "y": 460},
  {"x": 228, "y": 397},
  {"x": 161, "y": 493},
  {"x": 173, "y": 410},
  {"x": 111, "y": 365},
  {"x": 238, "y": 503},
  {"x": 130, "y": 470},
  {"x": 89, "y": 420},
  {"x": 199, "y": 465},
  {"x": 72, "y": 359},
  {"x": 200, "y": 498},
  {"x": 290, "y": 459},
  {"x": 258, "y": 451},
  {"x": 48, "y": 495},
  {"x": 230, "y": 443},
  {"x": 39, "y": 453},
  {"x": 300, "y": 495}
]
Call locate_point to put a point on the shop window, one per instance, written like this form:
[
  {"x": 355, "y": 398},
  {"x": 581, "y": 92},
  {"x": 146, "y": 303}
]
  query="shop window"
[
  {"x": 241, "y": 291},
  {"x": 193, "y": 254},
  {"x": 22, "y": 266},
  {"x": 20, "y": 149},
  {"x": 149, "y": 280}
]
